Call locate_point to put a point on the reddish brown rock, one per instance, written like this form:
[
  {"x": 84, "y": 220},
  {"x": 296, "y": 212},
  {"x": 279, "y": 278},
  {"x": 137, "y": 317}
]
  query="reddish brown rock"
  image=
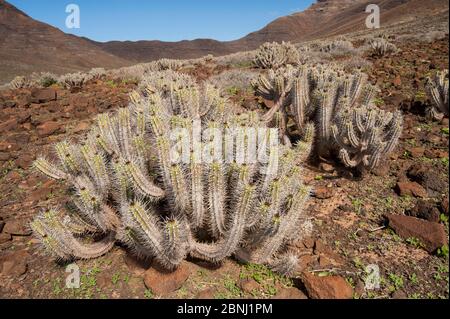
[
  {"x": 428, "y": 178},
  {"x": 17, "y": 228},
  {"x": 417, "y": 152},
  {"x": 10, "y": 104},
  {"x": 304, "y": 261},
  {"x": 4, "y": 238},
  {"x": 433, "y": 153},
  {"x": 19, "y": 138},
  {"x": 42, "y": 192},
  {"x": 23, "y": 101},
  {"x": 321, "y": 248},
  {"x": 410, "y": 189},
  {"x": 327, "y": 287},
  {"x": 444, "y": 205},
  {"x": 162, "y": 283},
  {"x": 8, "y": 125},
  {"x": 268, "y": 103},
  {"x": 82, "y": 126},
  {"x": 434, "y": 139},
  {"x": 49, "y": 128},
  {"x": 23, "y": 117},
  {"x": 52, "y": 107},
  {"x": 323, "y": 192},
  {"x": 397, "y": 81},
  {"x": 5, "y": 156},
  {"x": 103, "y": 280},
  {"x": 290, "y": 293},
  {"x": 425, "y": 210},
  {"x": 13, "y": 176},
  {"x": 14, "y": 264},
  {"x": 248, "y": 285},
  {"x": 327, "y": 168},
  {"x": 325, "y": 261},
  {"x": 399, "y": 294},
  {"x": 431, "y": 235},
  {"x": 206, "y": 294},
  {"x": 24, "y": 161},
  {"x": 43, "y": 95},
  {"x": 308, "y": 242},
  {"x": 8, "y": 147},
  {"x": 135, "y": 265}
]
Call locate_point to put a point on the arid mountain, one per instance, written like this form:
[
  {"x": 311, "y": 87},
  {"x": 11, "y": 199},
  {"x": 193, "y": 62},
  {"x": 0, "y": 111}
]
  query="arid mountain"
[
  {"x": 27, "y": 45},
  {"x": 324, "y": 18},
  {"x": 334, "y": 17},
  {"x": 144, "y": 51}
]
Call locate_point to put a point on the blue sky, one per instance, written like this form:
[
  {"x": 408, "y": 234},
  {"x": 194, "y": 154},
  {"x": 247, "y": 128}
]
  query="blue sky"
[{"x": 167, "y": 20}]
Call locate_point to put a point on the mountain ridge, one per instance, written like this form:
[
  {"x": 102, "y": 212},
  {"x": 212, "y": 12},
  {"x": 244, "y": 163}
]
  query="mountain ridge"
[
  {"x": 323, "y": 18},
  {"x": 27, "y": 45}
]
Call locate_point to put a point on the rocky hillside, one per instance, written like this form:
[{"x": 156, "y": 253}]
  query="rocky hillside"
[
  {"x": 322, "y": 19},
  {"x": 334, "y": 17},
  {"x": 396, "y": 217},
  {"x": 27, "y": 46}
]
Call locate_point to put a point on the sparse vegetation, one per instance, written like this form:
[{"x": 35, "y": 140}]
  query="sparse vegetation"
[
  {"x": 437, "y": 87},
  {"x": 112, "y": 163},
  {"x": 381, "y": 47},
  {"x": 74, "y": 80},
  {"x": 118, "y": 206},
  {"x": 20, "y": 82},
  {"x": 275, "y": 55},
  {"x": 347, "y": 123}
]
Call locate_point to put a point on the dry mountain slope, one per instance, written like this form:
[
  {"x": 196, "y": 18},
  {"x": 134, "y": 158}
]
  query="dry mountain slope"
[
  {"x": 27, "y": 45},
  {"x": 334, "y": 17},
  {"x": 144, "y": 51},
  {"x": 324, "y": 18}
]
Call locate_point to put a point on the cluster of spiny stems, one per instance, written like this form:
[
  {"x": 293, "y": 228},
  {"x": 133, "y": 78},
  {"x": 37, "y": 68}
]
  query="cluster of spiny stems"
[
  {"x": 126, "y": 188},
  {"x": 323, "y": 97},
  {"x": 275, "y": 55},
  {"x": 437, "y": 89},
  {"x": 381, "y": 47}
]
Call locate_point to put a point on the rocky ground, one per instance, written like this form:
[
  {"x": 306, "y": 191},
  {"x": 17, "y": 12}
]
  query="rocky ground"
[{"x": 394, "y": 219}]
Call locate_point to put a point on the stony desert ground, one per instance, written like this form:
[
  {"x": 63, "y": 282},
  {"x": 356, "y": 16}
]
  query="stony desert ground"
[{"x": 395, "y": 217}]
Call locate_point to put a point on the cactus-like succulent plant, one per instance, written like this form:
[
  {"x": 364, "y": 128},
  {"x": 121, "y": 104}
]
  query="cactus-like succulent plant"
[
  {"x": 318, "y": 94},
  {"x": 338, "y": 47},
  {"x": 208, "y": 58},
  {"x": 276, "y": 87},
  {"x": 20, "y": 82},
  {"x": 275, "y": 55},
  {"x": 437, "y": 89},
  {"x": 168, "y": 64},
  {"x": 364, "y": 135},
  {"x": 45, "y": 79},
  {"x": 381, "y": 47},
  {"x": 233, "y": 80},
  {"x": 97, "y": 73},
  {"x": 74, "y": 80},
  {"x": 166, "y": 81},
  {"x": 127, "y": 188}
]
